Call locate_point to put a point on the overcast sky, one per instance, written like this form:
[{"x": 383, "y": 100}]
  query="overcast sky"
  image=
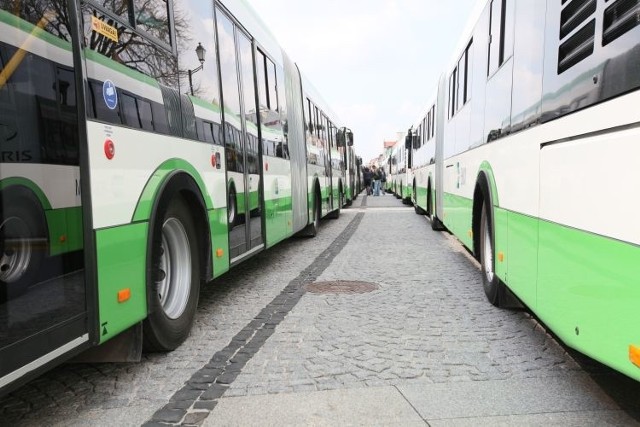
[{"x": 375, "y": 62}]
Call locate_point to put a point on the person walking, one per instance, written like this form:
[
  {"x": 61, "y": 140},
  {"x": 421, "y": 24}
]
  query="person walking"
[
  {"x": 367, "y": 176},
  {"x": 376, "y": 181},
  {"x": 383, "y": 181}
]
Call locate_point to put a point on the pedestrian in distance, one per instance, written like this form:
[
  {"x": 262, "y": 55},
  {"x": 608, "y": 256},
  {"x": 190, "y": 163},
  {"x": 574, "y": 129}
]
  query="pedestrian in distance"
[
  {"x": 376, "y": 181},
  {"x": 366, "y": 176},
  {"x": 383, "y": 181}
]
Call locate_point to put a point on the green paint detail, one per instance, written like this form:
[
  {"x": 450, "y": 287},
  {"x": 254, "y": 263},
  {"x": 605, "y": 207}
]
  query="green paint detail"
[
  {"x": 278, "y": 220},
  {"x": 583, "y": 286},
  {"x": 486, "y": 168},
  {"x": 64, "y": 224},
  {"x": 254, "y": 200},
  {"x": 407, "y": 192},
  {"x": 150, "y": 192},
  {"x": 522, "y": 259},
  {"x": 24, "y": 182},
  {"x": 219, "y": 240},
  {"x": 31, "y": 29},
  {"x": 119, "y": 68},
  {"x": 65, "y": 230},
  {"x": 589, "y": 282},
  {"x": 457, "y": 217},
  {"x": 421, "y": 197},
  {"x": 204, "y": 104},
  {"x": 501, "y": 241},
  {"x": 121, "y": 254},
  {"x": 240, "y": 203}
]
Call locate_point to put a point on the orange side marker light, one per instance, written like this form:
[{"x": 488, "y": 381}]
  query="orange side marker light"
[
  {"x": 124, "y": 295},
  {"x": 501, "y": 256},
  {"x": 634, "y": 355},
  {"x": 219, "y": 253}
]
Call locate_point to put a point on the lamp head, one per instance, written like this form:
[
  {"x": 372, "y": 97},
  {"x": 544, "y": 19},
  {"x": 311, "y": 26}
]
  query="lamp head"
[{"x": 200, "y": 51}]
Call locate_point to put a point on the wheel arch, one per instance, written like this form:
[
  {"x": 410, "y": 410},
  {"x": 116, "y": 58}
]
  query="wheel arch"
[
  {"x": 485, "y": 190},
  {"x": 13, "y": 190}
]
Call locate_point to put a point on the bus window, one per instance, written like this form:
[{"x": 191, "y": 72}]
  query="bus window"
[
  {"x": 130, "y": 111},
  {"x": 146, "y": 117},
  {"x": 152, "y": 17}
]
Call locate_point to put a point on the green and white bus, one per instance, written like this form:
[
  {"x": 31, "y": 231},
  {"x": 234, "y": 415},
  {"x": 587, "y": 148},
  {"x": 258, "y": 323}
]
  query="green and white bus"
[
  {"x": 533, "y": 163},
  {"x": 400, "y": 174},
  {"x": 146, "y": 148}
]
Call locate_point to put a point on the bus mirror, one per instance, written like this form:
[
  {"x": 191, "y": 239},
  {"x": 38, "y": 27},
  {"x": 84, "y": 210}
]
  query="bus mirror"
[
  {"x": 350, "y": 138},
  {"x": 407, "y": 142},
  {"x": 416, "y": 142}
]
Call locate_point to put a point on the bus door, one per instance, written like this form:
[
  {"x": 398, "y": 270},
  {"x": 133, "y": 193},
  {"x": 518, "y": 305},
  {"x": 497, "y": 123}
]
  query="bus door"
[
  {"x": 44, "y": 311},
  {"x": 244, "y": 187}
]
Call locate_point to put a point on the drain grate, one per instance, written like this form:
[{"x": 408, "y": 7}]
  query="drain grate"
[{"x": 341, "y": 287}]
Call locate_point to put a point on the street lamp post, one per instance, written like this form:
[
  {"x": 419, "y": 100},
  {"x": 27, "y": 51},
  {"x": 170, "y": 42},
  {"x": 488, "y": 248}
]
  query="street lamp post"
[{"x": 200, "y": 51}]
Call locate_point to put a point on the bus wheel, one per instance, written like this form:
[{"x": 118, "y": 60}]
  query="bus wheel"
[
  {"x": 232, "y": 207},
  {"x": 335, "y": 214},
  {"x": 490, "y": 281},
  {"x": 174, "y": 279},
  {"x": 312, "y": 229},
  {"x": 23, "y": 245}
]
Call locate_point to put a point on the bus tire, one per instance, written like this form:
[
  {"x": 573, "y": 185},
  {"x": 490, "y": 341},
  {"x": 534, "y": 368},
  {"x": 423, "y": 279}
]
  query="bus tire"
[
  {"x": 335, "y": 214},
  {"x": 311, "y": 230},
  {"x": 173, "y": 278},
  {"x": 232, "y": 207},
  {"x": 490, "y": 281},
  {"x": 20, "y": 262}
]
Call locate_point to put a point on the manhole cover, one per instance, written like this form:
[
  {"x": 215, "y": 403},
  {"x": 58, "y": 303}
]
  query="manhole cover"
[{"x": 341, "y": 287}]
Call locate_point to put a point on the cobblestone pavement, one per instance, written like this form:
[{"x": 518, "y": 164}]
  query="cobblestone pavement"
[{"x": 258, "y": 332}]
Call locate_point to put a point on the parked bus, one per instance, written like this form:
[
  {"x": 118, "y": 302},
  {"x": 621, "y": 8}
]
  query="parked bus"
[
  {"x": 147, "y": 147},
  {"x": 536, "y": 161},
  {"x": 401, "y": 175},
  {"x": 421, "y": 137}
]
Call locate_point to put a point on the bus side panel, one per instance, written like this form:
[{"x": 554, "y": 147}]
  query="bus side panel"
[
  {"x": 219, "y": 240},
  {"x": 588, "y": 293},
  {"x": 522, "y": 257},
  {"x": 121, "y": 254},
  {"x": 457, "y": 216},
  {"x": 277, "y": 200},
  {"x": 589, "y": 241}
]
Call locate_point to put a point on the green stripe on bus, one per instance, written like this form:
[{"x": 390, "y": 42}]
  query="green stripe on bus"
[
  {"x": 150, "y": 192},
  {"x": 119, "y": 68},
  {"x": 30, "y": 29},
  {"x": 204, "y": 104}
]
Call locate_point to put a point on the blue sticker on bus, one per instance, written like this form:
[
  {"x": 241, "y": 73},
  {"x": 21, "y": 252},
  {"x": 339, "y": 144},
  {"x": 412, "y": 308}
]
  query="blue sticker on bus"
[{"x": 110, "y": 94}]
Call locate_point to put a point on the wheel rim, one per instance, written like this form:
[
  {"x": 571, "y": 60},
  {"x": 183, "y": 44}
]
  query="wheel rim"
[
  {"x": 175, "y": 263},
  {"x": 17, "y": 249},
  {"x": 487, "y": 254}
]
